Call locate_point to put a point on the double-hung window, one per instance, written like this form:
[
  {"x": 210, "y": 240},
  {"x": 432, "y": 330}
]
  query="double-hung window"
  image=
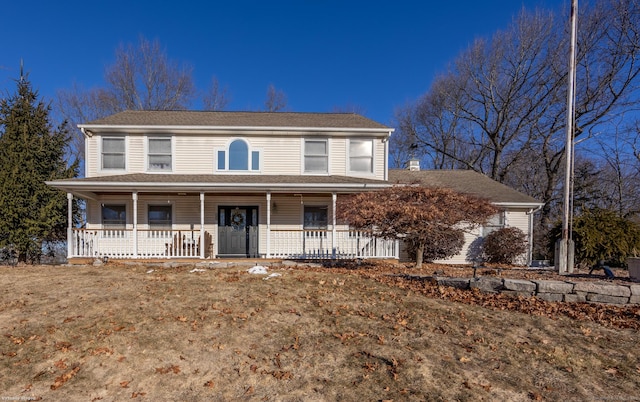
[
  {"x": 114, "y": 219},
  {"x": 315, "y": 221},
  {"x": 498, "y": 221},
  {"x": 159, "y": 217},
  {"x": 316, "y": 156},
  {"x": 361, "y": 156},
  {"x": 113, "y": 153},
  {"x": 159, "y": 155}
]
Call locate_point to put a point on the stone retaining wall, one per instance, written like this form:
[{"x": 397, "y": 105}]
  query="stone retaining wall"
[{"x": 557, "y": 291}]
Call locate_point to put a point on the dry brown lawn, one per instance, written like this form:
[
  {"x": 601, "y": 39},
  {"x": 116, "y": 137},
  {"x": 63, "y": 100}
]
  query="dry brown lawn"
[{"x": 118, "y": 332}]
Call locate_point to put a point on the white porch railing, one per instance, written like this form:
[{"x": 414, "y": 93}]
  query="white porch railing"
[
  {"x": 319, "y": 244},
  {"x": 294, "y": 244},
  {"x": 114, "y": 243}
]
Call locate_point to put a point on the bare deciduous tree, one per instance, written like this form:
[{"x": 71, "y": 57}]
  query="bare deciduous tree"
[
  {"x": 501, "y": 107},
  {"x": 216, "y": 98},
  {"x": 141, "y": 78},
  {"x": 276, "y": 99}
]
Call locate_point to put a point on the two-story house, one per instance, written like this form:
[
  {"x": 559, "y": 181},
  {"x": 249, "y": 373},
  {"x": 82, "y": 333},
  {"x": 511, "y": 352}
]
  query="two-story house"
[{"x": 167, "y": 184}]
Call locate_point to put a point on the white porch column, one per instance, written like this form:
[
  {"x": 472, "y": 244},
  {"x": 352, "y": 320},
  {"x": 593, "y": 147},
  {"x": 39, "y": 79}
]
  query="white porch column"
[
  {"x": 268, "y": 224},
  {"x": 334, "y": 198},
  {"x": 69, "y": 225},
  {"x": 202, "y": 245},
  {"x": 134, "y": 195}
]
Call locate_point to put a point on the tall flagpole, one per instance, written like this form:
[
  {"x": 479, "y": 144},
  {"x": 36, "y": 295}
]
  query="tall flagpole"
[{"x": 564, "y": 248}]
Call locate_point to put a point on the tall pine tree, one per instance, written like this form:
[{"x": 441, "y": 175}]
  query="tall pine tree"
[{"x": 31, "y": 152}]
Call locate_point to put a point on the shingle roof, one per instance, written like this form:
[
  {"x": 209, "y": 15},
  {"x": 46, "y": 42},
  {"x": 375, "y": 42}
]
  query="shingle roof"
[
  {"x": 465, "y": 181},
  {"x": 145, "y": 182},
  {"x": 237, "y": 119}
]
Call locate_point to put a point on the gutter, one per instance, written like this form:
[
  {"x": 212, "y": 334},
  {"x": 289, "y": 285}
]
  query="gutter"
[{"x": 244, "y": 187}]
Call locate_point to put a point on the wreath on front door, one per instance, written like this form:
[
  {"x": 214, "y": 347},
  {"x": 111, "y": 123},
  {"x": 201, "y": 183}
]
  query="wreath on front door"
[{"x": 237, "y": 219}]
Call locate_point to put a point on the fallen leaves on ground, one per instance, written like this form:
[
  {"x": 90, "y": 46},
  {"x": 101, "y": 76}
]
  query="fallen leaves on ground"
[
  {"x": 64, "y": 378},
  {"x": 391, "y": 274}
]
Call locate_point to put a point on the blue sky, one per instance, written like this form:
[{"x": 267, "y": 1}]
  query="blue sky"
[{"x": 322, "y": 54}]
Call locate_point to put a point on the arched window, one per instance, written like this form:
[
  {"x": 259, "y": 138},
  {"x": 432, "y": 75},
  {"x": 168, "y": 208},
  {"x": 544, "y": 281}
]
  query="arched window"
[{"x": 238, "y": 157}]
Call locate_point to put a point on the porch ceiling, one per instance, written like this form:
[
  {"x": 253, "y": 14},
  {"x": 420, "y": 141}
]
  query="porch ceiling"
[{"x": 144, "y": 182}]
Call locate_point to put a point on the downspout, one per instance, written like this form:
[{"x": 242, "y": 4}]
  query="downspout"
[
  {"x": 386, "y": 157},
  {"x": 530, "y": 251},
  {"x": 86, "y": 150}
]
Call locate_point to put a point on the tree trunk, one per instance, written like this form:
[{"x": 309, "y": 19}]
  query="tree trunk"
[{"x": 419, "y": 255}]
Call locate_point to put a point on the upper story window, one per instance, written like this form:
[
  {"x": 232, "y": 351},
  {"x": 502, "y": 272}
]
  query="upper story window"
[
  {"x": 159, "y": 155},
  {"x": 239, "y": 156},
  {"x": 361, "y": 156},
  {"x": 113, "y": 153},
  {"x": 316, "y": 156}
]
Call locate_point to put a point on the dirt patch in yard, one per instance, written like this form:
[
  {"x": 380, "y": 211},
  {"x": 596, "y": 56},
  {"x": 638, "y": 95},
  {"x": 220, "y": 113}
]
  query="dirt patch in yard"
[{"x": 344, "y": 333}]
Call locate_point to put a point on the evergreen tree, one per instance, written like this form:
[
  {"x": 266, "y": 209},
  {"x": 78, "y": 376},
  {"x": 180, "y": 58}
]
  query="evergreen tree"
[
  {"x": 31, "y": 152},
  {"x": 600, "y": 234}
]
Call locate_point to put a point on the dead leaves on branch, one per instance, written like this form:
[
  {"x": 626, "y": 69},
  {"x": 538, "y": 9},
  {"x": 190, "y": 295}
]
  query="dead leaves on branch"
[{"x": 403, "y": 210}]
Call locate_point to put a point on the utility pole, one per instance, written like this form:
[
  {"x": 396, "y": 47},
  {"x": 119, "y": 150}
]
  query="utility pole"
[{"x": 564, "y": 256}]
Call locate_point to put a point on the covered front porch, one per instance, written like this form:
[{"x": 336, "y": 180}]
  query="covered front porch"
[
  {"x": 217, "y": 224},
  {"x": 169, "y": 216}
]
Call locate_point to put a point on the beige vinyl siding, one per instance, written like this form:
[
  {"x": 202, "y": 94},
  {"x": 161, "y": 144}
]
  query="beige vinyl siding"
[
  {"x": 338, "y": 156},
  {"x": 92, "y": 157},
  {"x": 197, "y": 153},
  {"x": 185, "y": 211},
  {"x": 136, "y": 157},
  {"x": 279, "y": 156},
  {"x": 288, "y": 214},
  {"x": 518, "y": 219},
  {"x": 467, "y": 254},
  {"x": 378, "y": 159},
  {"x": 514, "y": 218}
]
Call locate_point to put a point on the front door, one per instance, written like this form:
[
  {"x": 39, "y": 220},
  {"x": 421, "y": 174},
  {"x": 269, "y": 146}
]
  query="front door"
[{"x": 238, "y": 231}]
